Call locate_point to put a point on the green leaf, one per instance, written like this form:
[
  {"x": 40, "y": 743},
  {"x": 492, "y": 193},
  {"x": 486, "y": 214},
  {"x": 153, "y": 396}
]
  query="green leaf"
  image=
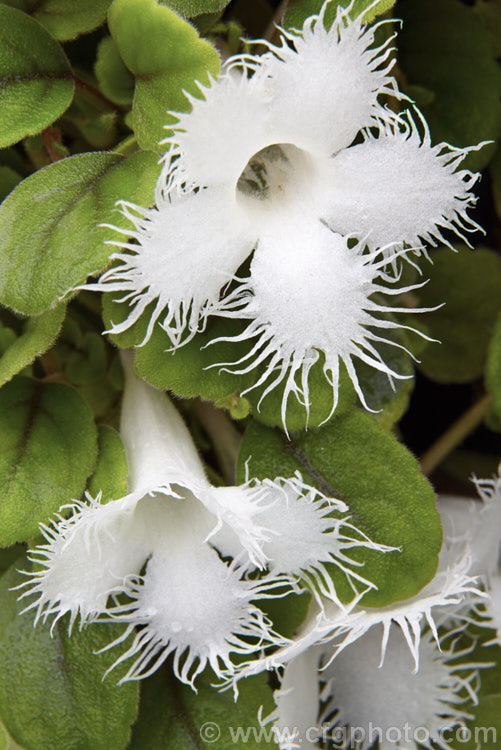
[
  {"x": 39, "y": 334},
  {"x": 36, "y": 84},
  {"x": 49, "y": 446},
  {"x": 289, "y": 613},
  {"x": 388, "y": 401},
  {"x": 9, "y": 555},
  {"x": 110, "y": 475},
  {"x": 166, "y": 56},
  {"x": 6, "y": 741},
  {"x": 489, "y": 12},
  {"x": 7, "y": 338},
  {"x": 8, "y": 180},
  {"x": 469, "y": 283},
  {"x": 493, "y": 369},
  {"x": 115, "y": 81},
  {"x": 198, "y": 721},
  {"x": 65, "y": 19},
  {"x": 52, "y": 693},
  {"x": 50, "y": 233},
  {"x": 495, "y": 174},
  {"x": 299, "y": 10},
  {"x": 484, "y": 730},
  {"x": 192, "y": 8},
  {"x": 444, "y": 47},
  {"x": 356, "y": 460},
  {"x": 83, "y": 355}
]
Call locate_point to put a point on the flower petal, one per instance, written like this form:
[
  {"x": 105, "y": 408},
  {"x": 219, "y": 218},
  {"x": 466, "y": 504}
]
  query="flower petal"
[
  {"x": 385, "y": 699},
  {"x": 88, "y": 556},
  {"x": 325, "y": 88},
  {"x": 184, "y": 252},
  {"x": 190, "y": 603},
  {"x": 310, "y": 292},
  {"x": 397, "y": 187},
  {"x": 220, "y": 134},
  {"x": 305, "y": 533}
]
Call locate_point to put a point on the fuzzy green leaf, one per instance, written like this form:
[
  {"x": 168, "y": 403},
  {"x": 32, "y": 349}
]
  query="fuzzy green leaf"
[
  {"x": 444, "y": 47},
  {"x": 50, "y": 233},
  {"x": 115, "y": 81},
  {"x": 356, "y": 460},
  {"x": 166, "y": 56},
  {"x": 489, "y": 12},
  {"x": 6, "y": 741},
  {"x": 65, "y": 19},
  {"x": 192, "y": 8},
  {"x": 9, "y": 554},
  {"x": 36, "y": 85},
  {"x": 299, "y": 10},
  {"x": 49, "y": 447},
  {"x": 469, "y": 283},
  {"x": 495, "y": 174},
  {"x": 52, "y": 693},
  {"x": 110, "y": 475},
  {"x": 82, "y": 355},
  {"x": 197, "y": 721},
  {"x": 9, "y": 178},
  {"x": 39, "y": 334},
  {"x": 493, "y": 369}
]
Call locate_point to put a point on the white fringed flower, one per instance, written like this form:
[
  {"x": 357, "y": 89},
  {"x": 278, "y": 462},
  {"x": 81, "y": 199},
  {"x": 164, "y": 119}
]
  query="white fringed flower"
[
  {"x": 373, "y": 675},
  {"x": 288, "y": 158},
  {"x": 355, "y": 700},
  {"x": 479, "y": 524},
  {"x": 402, "y": 707},
  {"x": 190, "y": 560},
  {"x": 450, "y": 594}
]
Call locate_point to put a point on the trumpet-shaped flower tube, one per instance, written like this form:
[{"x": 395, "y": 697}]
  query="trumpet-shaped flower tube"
[
  {"x": 288, "y": 156},
  {"x": 184, "y": 564}
]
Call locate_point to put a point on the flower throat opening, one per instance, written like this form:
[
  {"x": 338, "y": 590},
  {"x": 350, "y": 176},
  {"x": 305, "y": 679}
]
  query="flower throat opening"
[{"x": 277, "y": 175}]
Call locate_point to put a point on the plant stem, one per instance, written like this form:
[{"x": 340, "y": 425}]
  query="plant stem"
[
  {"x": 225, "y": 437},
  {"x": 455, "y": 435},
  {"x": 95, "y": 95},
  {"x": 52, "y": 141}
]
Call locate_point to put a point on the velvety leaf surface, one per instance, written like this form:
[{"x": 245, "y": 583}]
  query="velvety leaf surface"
[
  {"x": 65, "y": 19},
  {"x": 197, "y": 721},
  {"x": 489, "y": 12},
  {"x": 50, "y": 233},
  {"x": 6, "y": 741},
  {"x": 445, "y": 49},
  {"x": 356, "y": 460},
  {"x": 49, "y": 446},
  {"x": 299, "y": 10},
  {"x": 110, "y": 474},
  {"x": 115, "y": 81},
  {"x": 52, "y": 693},
  {"x": 36, "y": 84},
  {"x": 469, "y": 283},
  {"x": 8, "y": 180},
  {"x": 191, "y": 8},
  {"x": 38, "y": 335},
  {"x": 166, "y": 56},
  {"x": 493, "y": 369}
]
